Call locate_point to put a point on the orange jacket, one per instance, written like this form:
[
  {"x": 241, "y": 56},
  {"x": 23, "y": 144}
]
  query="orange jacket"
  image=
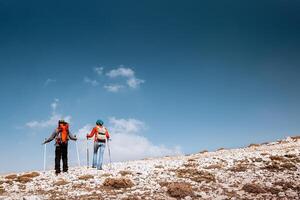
[{"x": 95, "y": 132}]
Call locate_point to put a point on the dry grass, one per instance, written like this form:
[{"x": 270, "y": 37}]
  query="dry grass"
[
  {"x": 159, "y": 167},
  {"x": 2, "y": 190},
  {"x": 253, "y": 145},
  {"x": 92, "y": 196},
  {"x": 180, "y": 190},
  {"x": 239, "y": 168},
  {"x": 125, "y": 172},
  {"x": 106, "y": 175},
  {"x": 288, "y": 185},
  {"x": 278, "y": 158},
  {"x": 11, "y": 176},
  {"x": 214, "y": 166},
  {"x": 204, "y": 151},
  {"x": 25, "y": 178},
  {"x": 131, "y": 198},
  {"x": 296, "y": 137},
  {"x": 60, "y": 182},
  {"x": 253, "y": 188},
  {"x": 220, "y": 149},
  {"x": 195, "y": 175},
  {"x": 273, "y": 190},
  {"x": 118, "y": 183},
  {"x": 190, "y": 164},
  {"x": 288, "y": 166},
  {"x": 85, "y": 177},
  {"x": 30, "y": 175}
]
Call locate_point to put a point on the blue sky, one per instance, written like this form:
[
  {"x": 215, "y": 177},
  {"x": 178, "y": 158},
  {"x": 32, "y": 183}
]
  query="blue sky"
[{"x": 194, "y": 74}]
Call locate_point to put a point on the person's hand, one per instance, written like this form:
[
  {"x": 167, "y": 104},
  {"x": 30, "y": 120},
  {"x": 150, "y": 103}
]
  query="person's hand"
[{"x": 87, "y": 136}]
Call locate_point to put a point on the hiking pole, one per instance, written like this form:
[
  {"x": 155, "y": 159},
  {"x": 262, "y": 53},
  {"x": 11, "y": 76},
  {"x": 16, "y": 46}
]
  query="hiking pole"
[
  {"x": 109, "y": 155},
  {"x": 77, "y": 154},
  {"x": 87, "y": 154},
  {"x": 45, "y": 150}
]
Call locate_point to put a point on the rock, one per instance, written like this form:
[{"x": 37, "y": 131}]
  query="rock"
[{"x": 281, "y": 194}]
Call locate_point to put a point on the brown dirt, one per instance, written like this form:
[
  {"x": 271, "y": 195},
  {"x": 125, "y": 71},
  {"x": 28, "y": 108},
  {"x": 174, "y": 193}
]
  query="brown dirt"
[
  {"x": 220, "y": 149},
  {"x": 85, "y": 177},
  {"x": 118, "y": 183},
  {"x": 159, "y": 167},
  {"x": 180, "y": 190},
  {"x": 253, "y": 188},
  {"x": 196, "y": 175}
]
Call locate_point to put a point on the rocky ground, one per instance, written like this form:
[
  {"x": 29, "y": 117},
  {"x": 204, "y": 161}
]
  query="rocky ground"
[{"x": 265, "y": 171}]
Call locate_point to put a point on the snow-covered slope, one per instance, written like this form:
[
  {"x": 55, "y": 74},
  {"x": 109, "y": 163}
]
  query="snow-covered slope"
[{"x": 266, "y": 171}]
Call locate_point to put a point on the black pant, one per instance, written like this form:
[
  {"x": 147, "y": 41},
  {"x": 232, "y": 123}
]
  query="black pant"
[{"x": 61, "y": 152}]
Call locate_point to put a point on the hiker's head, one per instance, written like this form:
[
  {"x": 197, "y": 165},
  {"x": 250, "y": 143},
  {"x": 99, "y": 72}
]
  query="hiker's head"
[
  {"x": 99, "y": 122},
  {"x": 60, "y": 122}
]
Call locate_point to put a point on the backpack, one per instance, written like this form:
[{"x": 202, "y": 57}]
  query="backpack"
[
  {"x": 101, "y": 133},
  {"x": 63, "y": 133}
]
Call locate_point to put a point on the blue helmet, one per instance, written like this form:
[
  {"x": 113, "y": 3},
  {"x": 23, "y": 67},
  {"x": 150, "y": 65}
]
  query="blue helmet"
[{"x": 99, "y": 122}]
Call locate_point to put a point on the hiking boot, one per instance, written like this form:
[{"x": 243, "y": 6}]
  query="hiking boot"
[{"x": 57, "y": 173}]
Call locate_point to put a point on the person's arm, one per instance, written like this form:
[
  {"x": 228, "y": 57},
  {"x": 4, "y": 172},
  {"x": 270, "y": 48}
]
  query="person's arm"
[
  {"x": 107, "y": 134},
  {"x": 72, "y": 137},
  {"x": 92, "y": 133},
  {"x": 51, "y": 137}
]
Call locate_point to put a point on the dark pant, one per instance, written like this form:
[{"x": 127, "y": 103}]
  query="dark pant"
[{"x": 61, "y": 152}]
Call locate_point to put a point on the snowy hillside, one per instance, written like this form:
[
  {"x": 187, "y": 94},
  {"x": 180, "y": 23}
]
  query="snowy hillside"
[{"x": 266, "y": 171}]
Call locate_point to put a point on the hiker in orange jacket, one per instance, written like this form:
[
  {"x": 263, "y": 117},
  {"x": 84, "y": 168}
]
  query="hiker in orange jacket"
[
  {"x": 101, "y": 135},
  {"x": 61, "y": 135}
]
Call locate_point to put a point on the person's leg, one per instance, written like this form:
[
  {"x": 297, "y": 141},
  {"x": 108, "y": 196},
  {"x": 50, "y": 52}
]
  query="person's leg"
[
  {"x": 65, "y": 157},
  {"x": 57, "y": 159},
  {"x": 96, "y": 146},
  {"x": 100, "y": 156}
]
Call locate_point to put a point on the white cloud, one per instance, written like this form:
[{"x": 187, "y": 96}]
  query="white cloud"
[
  {"x": 53, "y": 119},
  {"x": 89, "y": 81},
  {"x": 49, "y": 81},
  {"x": 113, "y": 87},
  {"x": 134, "y": 82},
  {"x": 121, "y": 71},
  {"x": 127, "y": 143},
  {"x": 99, "y": 70}
]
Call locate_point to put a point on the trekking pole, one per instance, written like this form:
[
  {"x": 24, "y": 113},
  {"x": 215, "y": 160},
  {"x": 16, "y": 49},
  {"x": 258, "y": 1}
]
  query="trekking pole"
[
  {"x": 78, "y": 159},
  {"x": 109, "y": 155},
  {"x": 87, "y": 154},
  {"x": 45, "y": 150}
]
